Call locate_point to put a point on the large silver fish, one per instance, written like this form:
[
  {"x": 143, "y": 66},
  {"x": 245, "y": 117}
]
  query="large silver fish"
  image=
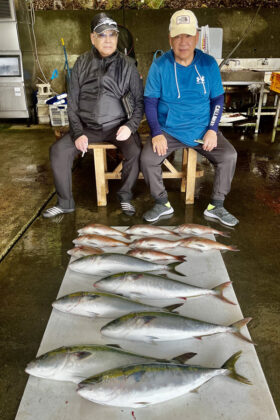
[
  {"x": 154, "y": 243},
  {"x": 194, "y": 229},
  {"x": 76, "y": 363},
  {"x": 112, "y": 263},
  {"x": 139, "y": 385},
  {"x": 97, "y": 228},
  {"x": 99, "y": 241},
  {"x": 204, "y": 244},
  {"x": 101, "y": 305},
  {"x": 150, "y": 286},
  {"x": 153, "y": 327},
  {"x": 147, "y": 230},
  {"x": 153, "y": 255}
]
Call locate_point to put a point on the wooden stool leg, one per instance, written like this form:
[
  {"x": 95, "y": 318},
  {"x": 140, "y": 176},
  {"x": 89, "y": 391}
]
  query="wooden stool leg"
[
  {"x": 100, "y": 176},
  {"x": 184, "y": 170},
  {"x": 191, "y": 175},
  {"x": 105, "y": 169}
]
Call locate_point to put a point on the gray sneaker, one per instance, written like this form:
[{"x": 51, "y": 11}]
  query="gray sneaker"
[
  {"x": 221, "y": 214},
  {"x": 157, "y": 211},
  {"x": 55, "y": 211}
]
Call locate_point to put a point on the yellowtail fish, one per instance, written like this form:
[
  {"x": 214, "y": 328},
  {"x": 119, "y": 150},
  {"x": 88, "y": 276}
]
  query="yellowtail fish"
[
  {"x": 139, "y": 385},
  {"x": 97, "y": 228},
  {"x": 83, "y": 250},
  {"x": 147, "y": 230},
  {"x": 203, "y": 244},
  {"x": 112, "y": 263},
  {"x": 102, "y": 305},
  {"x": 152, "y": 327},
  {"x": 194, "y": 229},
  {"x": 150, "y": 286},
  {"x": 150, "y": 255},
  {"x": 98, "y": 240},
  {"x": 154, "y": 243},
  {"x": 76, "y": 363}
]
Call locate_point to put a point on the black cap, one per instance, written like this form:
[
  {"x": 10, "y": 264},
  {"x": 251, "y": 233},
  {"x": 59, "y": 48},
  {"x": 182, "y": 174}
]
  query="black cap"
[{"x": 102, "y": 22}]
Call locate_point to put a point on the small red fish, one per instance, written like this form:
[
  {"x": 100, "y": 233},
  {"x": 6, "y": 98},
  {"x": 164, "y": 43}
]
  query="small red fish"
[
  {"x": 98, "y": 229},
  {"x": 154, "y": 243},
  {"x": 83, "y": 250},
  {"x": 194, "y": 229},
  {"x": 204, "y": 244},
  {"x": 152, "y": 255},
  {"x": 98, "y": 240}
]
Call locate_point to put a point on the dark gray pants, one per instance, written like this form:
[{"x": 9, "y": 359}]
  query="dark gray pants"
[
  {"x": 223, "y": 157},
  {"x": 64, "y": 151}
]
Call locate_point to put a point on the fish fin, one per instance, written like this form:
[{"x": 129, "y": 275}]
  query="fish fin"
[
  {"x": 182, "y": 358},
  {"x": 173, "y": 307},
  {"x": 82, "y": 354},
  {"x": 222, "y": 233},
  {"x": 182, "y": 297},
  {"x": 198, "y": 338},
  {"x": 220, "y": 289},
  {"x": 195, "y": 390},
  {"x": 233, "y": 248},
  {"x": 141, "y": 403},
  {"x": 238, "y": 325},
  {"x": 172, "y": 268},
  {"x": 151, "y": 339},
  {"x": 148, "y": 318},
  {"x": 230, "y": 365},
  {"x": 114, "y": 345}
]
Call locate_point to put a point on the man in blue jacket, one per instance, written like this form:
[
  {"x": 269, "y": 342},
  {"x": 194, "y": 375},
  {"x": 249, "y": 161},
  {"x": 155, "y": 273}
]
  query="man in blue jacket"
[{"x": 184, "y": 100}]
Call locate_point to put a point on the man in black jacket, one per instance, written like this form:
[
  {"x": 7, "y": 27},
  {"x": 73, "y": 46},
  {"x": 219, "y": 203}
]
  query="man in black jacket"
[{"x": 100, "y": 79}]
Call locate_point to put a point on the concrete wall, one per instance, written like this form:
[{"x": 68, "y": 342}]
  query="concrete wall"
[{"x": 149, "y": 29}]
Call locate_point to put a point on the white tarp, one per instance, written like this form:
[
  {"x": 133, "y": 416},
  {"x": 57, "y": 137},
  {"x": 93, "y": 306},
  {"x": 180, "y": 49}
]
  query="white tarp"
[{"x": 221, "y": 398}]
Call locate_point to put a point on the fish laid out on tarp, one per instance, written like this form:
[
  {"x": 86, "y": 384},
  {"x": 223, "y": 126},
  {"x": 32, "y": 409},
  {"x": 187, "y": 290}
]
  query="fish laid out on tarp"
[
  {"x": 150, "y": 286},
  {"x": 153, "y": 255},
  {"x": 194, "y": 229},
  {"x": 203, "y": 244},
  {"x": 154, "y": 243},
  {"x": 103, "y": 305},
  {"x": 151, "y": 327},
  {"x": 112, "y": 263},
  {"x": 99, "y": 241},
  {"x": 84, "y": 250},
  {"x": 76, "y": 363},
  {"x": 98, "y": 229},
  {"x": 139, "y": 385},
  {"x": 147, "y": 230}
]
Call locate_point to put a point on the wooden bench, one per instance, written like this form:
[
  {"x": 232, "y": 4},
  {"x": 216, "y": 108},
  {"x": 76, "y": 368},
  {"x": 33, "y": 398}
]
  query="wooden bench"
[{"x": 188, "y": 173}]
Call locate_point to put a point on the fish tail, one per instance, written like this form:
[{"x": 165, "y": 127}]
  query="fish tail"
[
  {"x": 172, "y": 268},
  {"x": 223, "y": 233},
  {"x": 172, "y": 308},
  {"x": 230, "y": 366},
  {"x": 220, "y": 292},
  {"x": 238, "y": 325},
  {"x": 233, "y": 248}
]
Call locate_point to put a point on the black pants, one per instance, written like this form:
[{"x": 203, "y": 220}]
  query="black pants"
[
  {"x": 64, "y": 151},
  {"x": 223, "y": 157}
]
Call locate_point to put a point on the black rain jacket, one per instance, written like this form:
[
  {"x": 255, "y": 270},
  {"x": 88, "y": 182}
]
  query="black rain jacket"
[{"x": 96, "y": 87}]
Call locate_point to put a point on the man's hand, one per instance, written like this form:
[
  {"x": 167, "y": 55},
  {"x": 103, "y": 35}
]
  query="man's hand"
[
  {"x": 123, "y": 133},
  {"x": 209, "y": 140},
  {"x": 160, "y": 145},
  {"x": 81, "y": 143}
]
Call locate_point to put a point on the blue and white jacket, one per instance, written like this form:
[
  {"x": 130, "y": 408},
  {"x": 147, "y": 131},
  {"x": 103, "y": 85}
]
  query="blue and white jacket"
[{"x": 184, "y": 94}]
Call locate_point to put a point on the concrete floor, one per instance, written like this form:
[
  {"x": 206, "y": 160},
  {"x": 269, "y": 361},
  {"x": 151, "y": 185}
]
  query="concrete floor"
[{"x": 32, "y": 270}]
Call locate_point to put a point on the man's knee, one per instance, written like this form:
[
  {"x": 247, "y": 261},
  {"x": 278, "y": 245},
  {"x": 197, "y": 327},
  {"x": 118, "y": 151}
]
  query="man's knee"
[
  {"x": 147, "y": 158},
  {"x": 230, "y": 155},
  {"x": 61, "y": 149}
]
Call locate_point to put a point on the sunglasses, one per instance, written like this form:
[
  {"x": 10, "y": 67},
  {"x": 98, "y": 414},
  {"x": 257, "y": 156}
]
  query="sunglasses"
[{"x": 105, "y": 34}]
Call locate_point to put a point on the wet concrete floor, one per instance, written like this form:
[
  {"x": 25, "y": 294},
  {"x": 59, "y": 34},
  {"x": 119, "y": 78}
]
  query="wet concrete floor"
[{"x": 32, "y": 271}]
